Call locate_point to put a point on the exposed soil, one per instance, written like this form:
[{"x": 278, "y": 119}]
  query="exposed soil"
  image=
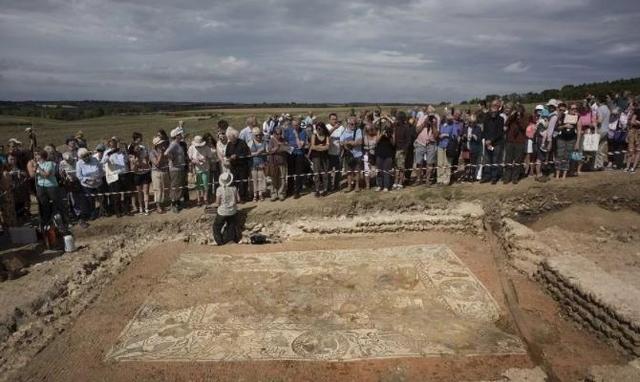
[
  {"x": 608, "y": 238},
  {"x": 101, "y": 289}
]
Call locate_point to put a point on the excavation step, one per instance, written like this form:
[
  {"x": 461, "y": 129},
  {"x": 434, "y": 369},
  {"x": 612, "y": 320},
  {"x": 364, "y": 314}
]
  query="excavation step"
[{"x": 594, "y": 298}]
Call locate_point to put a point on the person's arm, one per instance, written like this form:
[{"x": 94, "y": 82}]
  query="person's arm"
[
  {"x": 313, "y": 146},
  {"x": 579, "y": 128},
  {"x": 358, "y": 138}
]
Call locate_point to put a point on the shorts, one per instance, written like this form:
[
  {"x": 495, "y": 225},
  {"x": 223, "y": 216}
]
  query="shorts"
[
  {"x": 352, "y": 164},
  {"x": 142, "y": 179},
  {"x": 634, "y": 140},
  {"x": 401, "y": 158},
  {"x": 202, "y": 180}
]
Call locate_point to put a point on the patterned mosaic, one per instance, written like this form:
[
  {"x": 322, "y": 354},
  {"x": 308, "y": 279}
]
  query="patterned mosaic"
[{"x": 318, "y": 305}]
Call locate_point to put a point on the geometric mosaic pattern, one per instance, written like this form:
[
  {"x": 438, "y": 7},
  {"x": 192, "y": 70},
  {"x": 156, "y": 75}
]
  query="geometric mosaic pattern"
[{"x": 341, "y": 305}]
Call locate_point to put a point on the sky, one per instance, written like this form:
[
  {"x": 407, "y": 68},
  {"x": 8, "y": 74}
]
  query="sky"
[{"x": 310, "y": 51}]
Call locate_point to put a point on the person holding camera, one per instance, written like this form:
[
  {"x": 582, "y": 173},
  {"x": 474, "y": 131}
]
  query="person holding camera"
[{"x": 351, "y": 145}]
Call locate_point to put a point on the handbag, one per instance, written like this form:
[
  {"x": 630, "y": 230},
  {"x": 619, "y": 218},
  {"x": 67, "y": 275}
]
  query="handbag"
[
  {"x": 452, "y": 147},
  {"x": 576, "y": 156},
  {"x": 591, "y": 142}
]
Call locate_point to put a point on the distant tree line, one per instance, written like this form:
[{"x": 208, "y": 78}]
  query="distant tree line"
[
  {"x": 569, "y": 92},
  {"x": 75, "y": 110}
]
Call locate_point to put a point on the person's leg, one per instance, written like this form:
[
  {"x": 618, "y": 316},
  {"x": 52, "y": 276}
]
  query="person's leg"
[
  {"x": 498, "y": 158},
  {"x": 358, "y": 170},
  {"x": 518, "y": 168},
  {"x": 254, "y": 179},
  {"x": 44, "y": 202},
  {"x": 380, "y": 176},
  {"x": 299, "y": 171},
  {"x": 324, "y": 175},
  {"x": 232, "y": 227},
  {"x": 55, "y": 195},
  {"x": 218, "y": 224},
  {"x": 387, "y": 167},
  {"x": 316, "y": 173},
  {"x": 442, "y": 155},
  {"x": 446, "y": 173},
  {"x": 284, "y": 176},
  {"x": 509, "y": 154}
]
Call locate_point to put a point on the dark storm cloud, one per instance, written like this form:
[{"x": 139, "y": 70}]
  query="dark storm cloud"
[{"x": 286, "y": 50}]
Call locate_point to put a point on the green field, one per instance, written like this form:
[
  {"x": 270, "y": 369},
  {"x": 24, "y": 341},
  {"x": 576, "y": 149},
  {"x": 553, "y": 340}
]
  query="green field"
[{"x": 196, "y": 122}]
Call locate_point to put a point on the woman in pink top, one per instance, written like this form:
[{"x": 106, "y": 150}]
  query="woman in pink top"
[
  {"x": 529, "y": 159},
  {"x": 586, "y": 123}
]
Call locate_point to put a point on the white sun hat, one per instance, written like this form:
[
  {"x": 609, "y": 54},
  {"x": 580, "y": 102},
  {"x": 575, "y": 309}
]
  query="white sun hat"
[{"x": 226, "y": 178}]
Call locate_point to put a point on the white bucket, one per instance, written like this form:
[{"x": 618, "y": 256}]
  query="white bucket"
[{"x": 69, "y": 243}]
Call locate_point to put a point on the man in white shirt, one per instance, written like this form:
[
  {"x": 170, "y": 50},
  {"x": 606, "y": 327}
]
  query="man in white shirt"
[{"x": 335, "y": 129}]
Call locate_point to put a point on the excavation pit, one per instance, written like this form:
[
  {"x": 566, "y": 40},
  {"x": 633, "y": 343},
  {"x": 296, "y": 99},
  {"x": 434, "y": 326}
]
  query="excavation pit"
[{"x": 329, "y": 305}]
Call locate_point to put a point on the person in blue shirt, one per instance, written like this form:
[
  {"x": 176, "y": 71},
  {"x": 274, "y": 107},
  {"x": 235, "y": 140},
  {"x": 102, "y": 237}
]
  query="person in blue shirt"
[
  {"x": 447, "y": 148},
  {"x": 351, "y": 144},
  {"x": 297, "y": 139}
]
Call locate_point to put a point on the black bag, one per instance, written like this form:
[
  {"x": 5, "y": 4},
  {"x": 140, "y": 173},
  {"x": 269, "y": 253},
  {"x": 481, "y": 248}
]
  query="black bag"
[{"x": 452, "y": 147}]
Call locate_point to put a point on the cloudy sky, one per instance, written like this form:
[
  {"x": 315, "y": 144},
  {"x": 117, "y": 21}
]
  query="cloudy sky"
[{"x": 303, "y": 51}]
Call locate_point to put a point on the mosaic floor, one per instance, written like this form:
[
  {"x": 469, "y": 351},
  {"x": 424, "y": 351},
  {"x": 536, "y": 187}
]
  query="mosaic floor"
[{"x": 318, "y": 305}]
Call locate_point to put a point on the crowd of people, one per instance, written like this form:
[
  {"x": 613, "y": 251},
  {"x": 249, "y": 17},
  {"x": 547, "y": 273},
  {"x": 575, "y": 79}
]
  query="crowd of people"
[{"x": 288, "y": 156}]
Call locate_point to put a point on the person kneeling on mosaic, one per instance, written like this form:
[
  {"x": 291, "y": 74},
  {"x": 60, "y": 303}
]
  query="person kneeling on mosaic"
[{"x": 225, "y": 225}]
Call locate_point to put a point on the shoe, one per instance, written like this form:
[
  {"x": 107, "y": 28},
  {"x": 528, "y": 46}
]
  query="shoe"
[
  {"x": 385, "y": 190},
  {"x": 515, "y": 181},
  {"x": 282, "y": 198},
  {"x": 83, "y": 224},
  {"x": 505, "y": 181},
  {"x": 394, "y": 186},
  {"x": 255, "y": 198},
  {"x": 147, "y": 212},
  {"x": 317, "y": 194},
  {"x": 633, "y": 170},
  {"x": 296, "y": 196},
  {"x": 400, "y": 187},
  {"x": 378, "y": 189},
  {"x": 494, "y": 182},
  {"x": 484, "y": 181},
  {"x": 357, "y": 189},
  {"x": 174, "y": 209},
  {"x": 324, "y": 193}
]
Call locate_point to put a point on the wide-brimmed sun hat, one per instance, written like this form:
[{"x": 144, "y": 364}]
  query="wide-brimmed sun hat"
[
  {"x": 198, "y": 141},
  {"x": 14, "y": 141},
  {"x": 553, "y": 102},
  {"x": 177, "y": 131},
  {"x": 157, "y": 141},
  {"x": 226, "y": 178},
  {"x": 82, "y": 152},
  {"x": 539, "y": 107}
]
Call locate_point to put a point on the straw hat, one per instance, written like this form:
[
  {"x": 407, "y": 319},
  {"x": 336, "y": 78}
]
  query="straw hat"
[
  {"x": 82, "y": 152},
  {"x": 157, "y": 141},
  {"x": 198, "y": 141},
  {"x": 226, "y": 178},
  {"x": 177, "y": 131},
  {"x": 553, "y": 102}
]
